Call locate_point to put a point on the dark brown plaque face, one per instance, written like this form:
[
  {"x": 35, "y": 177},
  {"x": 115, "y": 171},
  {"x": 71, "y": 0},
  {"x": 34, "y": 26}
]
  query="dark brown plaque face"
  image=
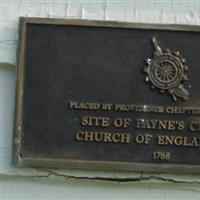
[{"x": 108, "y": 95}]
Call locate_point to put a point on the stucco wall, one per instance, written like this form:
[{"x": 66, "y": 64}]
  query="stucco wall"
[{"x": 30, "y": 183}]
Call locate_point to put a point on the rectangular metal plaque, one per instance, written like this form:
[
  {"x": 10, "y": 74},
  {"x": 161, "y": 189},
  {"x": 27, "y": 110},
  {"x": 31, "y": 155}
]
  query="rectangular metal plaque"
[{"x": 108, "y": 95}]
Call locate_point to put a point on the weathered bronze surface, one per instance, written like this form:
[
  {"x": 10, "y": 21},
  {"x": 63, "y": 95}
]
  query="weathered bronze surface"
[{"x": 83, "y": 101}]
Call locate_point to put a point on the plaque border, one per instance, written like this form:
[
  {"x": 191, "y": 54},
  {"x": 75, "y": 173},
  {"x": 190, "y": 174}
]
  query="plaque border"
[{"x": 18, "y": 160}]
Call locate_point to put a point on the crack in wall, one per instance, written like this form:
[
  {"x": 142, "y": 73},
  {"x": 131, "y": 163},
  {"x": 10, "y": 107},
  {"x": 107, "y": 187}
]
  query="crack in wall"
[{"x": 140, "y": 178}]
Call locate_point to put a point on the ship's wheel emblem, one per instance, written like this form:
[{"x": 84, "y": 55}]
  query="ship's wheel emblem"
[{"x": 167, "y": 72}]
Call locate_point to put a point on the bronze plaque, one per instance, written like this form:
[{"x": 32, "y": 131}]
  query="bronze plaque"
[{"x": 108, "y": 95}]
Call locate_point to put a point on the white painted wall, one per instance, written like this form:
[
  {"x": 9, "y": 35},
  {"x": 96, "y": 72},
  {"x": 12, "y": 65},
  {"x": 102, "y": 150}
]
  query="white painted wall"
[{"x": 30, "y": 183}]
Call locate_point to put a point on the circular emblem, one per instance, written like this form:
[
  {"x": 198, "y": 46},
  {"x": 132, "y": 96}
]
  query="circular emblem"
[{"x": 167, "y": 72}]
